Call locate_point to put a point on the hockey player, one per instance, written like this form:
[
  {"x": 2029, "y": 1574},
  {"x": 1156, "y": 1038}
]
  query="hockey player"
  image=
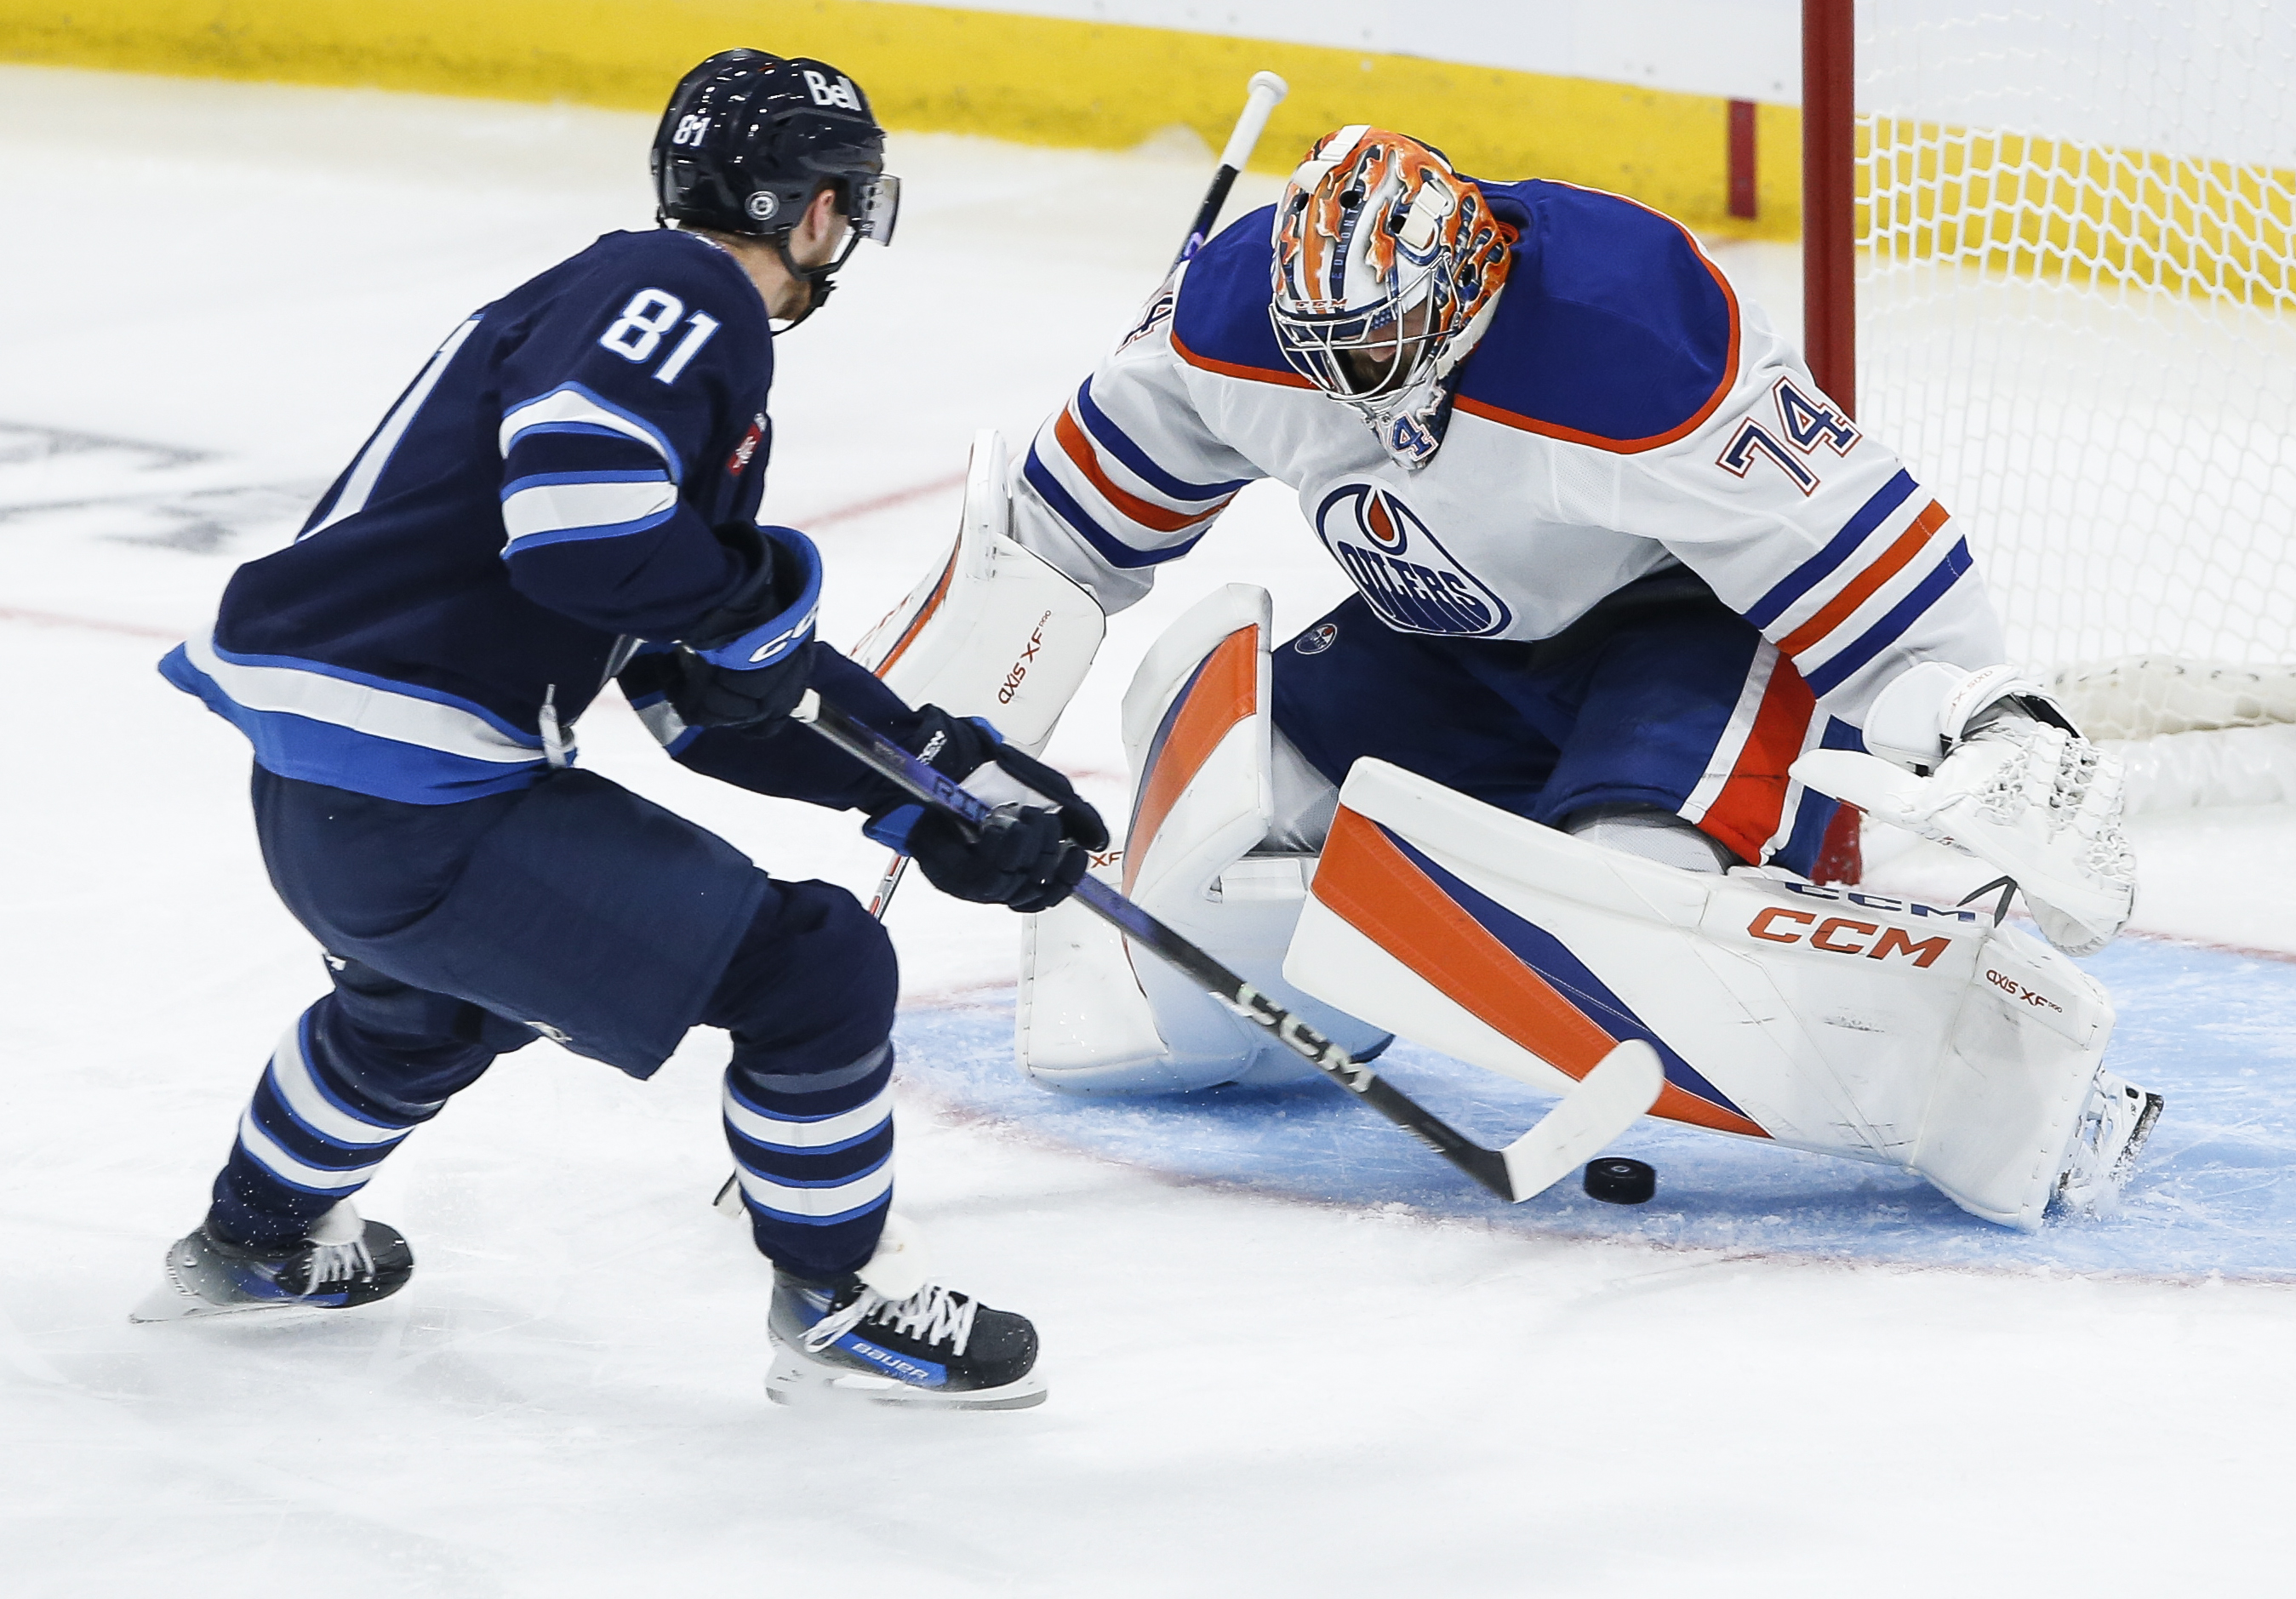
[
  {"x": 567, "y": 493},
  {"x": 1623, "y": 571}
]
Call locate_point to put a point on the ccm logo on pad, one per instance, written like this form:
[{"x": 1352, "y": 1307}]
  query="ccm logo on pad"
[{"x": 1837, "y": 935}]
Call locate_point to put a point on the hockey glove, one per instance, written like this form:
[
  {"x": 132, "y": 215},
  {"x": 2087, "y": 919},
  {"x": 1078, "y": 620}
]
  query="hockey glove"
[
  {"x": 969, "y": 749},
  {"x": 1988, "y": 765},
  {"x": 1020, "y": 856},
  {"x": 1028, "y": 855},
  {"x": 748, "y": 661}
]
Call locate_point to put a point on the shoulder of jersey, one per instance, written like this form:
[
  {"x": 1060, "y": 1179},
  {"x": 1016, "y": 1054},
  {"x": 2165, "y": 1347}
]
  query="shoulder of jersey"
[
  {"x": 676, "y": 262},
  {"x": 1220, "y": 324},
  {"x": 1614, "y": 330}
]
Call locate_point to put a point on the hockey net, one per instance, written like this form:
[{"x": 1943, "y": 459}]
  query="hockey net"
[{"x": 2077, "y": 319}]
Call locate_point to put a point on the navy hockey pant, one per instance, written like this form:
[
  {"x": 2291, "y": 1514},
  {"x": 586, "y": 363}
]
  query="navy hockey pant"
[
  {"x": 578, "y": 911},
  {"x": 1660, "y": 696}
]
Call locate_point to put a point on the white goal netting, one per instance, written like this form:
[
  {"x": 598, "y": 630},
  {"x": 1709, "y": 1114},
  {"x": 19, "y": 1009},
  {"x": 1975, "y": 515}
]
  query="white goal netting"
[{"x": 2077, "y": 318}]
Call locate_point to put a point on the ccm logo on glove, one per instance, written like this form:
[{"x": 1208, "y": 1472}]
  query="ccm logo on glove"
[{"x": 1772, "y": 925}]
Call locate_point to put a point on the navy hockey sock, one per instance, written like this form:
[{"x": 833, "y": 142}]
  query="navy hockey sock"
[
  {"x": 318, "y": 1127},
  {"x": 815, "y": 1153}
]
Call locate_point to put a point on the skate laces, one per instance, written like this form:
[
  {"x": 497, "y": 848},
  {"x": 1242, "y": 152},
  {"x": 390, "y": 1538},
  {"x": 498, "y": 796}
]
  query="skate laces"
[
  {"x": 932, "y": 1314},
  {"x": 338, "y": 1263}
]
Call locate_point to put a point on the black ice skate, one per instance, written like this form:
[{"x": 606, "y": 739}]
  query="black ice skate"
[
  {"x": 936, "y": 1349},
  {"x": 343, "y": 1261}
]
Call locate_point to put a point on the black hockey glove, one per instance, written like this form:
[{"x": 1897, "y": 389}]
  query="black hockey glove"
[
  {"x": 959, "y": 747},
  {"x": 1020, "y": 856},
  {"x": 748, "y": 662},
  {"x": 1025, "y": 855}
]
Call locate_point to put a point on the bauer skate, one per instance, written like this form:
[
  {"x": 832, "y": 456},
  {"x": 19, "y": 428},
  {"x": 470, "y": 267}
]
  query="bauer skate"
[
  {"x": 343, "y": 1261},
  {"x": 2113, "y": 1127},
  {"x": 937, "y": 1348}
]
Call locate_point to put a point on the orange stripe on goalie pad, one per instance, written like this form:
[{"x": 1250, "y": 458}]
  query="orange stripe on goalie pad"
[
  {"x": 1370, "y": 884},
  {"x": 1225, "y": 691}
]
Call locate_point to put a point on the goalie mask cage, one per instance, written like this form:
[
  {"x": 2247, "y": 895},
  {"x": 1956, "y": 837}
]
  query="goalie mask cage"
[{"x": 2051, "y": 259}]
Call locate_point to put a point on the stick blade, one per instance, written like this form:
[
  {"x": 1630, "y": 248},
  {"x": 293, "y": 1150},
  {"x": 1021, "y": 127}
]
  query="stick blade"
[{"x": 1623, "y": 1087}]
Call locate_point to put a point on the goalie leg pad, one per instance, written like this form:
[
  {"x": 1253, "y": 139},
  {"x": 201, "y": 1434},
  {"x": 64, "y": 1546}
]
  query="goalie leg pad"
[
  {"x": 1099, "y": 1017},
  {"x": 1846, "y": 1023}
]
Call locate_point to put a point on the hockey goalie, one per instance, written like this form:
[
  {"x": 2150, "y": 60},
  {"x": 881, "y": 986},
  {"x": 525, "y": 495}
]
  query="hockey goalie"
[{"x": 1636, "y": 605}]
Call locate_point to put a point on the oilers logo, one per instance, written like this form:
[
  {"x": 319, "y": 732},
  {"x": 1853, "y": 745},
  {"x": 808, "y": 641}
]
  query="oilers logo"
[
  {"x": 1318, "y": 639},
  {"x": 1409, "y": 578}
]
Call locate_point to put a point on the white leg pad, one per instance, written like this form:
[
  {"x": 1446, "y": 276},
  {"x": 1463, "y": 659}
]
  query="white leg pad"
[
  {"x": 1097, "y": 1016},
  {"x": 1839, "y": 1021},
  {"x": 993, "y": 631}
]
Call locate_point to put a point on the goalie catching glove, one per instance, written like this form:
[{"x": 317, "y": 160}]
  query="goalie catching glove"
[
  {"x": 1032, "y": 850},
  {"x": 1986, "y": 762}
]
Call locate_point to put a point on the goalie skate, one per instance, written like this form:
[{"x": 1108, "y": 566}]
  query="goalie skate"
[
  {"x": 844, "y": 1342},
  {"x": 2114, "y": 1125},
  {"x": 343, "y": 1261}
]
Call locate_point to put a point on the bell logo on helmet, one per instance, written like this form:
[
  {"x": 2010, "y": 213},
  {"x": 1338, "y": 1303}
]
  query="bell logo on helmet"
[
  {"x": 842, "y": 93},
  {"x": 763, "y": 205}
]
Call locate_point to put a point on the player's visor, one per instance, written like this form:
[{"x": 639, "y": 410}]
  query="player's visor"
[{"x": 876, "y": 206}]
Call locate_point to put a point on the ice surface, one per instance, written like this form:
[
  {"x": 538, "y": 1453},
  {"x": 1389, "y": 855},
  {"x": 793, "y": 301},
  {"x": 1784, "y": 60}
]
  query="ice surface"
[
  {"x": 2215, "y": 1194},
  {"x": 1344, "y": 1379}
]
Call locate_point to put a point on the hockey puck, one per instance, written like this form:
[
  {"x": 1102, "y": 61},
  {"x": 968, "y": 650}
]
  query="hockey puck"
[{"x": 1620, "y": 1182}]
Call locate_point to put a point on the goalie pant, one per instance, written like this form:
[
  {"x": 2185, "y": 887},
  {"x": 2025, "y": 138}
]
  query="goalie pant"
[{"x": 576, "y": 911}]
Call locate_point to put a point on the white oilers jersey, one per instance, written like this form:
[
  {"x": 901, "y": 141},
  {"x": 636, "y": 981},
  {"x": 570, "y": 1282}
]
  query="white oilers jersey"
[{"x": 1623, "y": 414}]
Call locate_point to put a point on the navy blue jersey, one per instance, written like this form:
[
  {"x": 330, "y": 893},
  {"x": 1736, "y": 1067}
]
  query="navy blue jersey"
[{"x": 541, "y": 498}]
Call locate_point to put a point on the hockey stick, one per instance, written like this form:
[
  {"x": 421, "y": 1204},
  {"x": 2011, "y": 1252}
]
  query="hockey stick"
[
  {"x": 1262, "y": 96},
  {"x": 1621, "y": 1087}
]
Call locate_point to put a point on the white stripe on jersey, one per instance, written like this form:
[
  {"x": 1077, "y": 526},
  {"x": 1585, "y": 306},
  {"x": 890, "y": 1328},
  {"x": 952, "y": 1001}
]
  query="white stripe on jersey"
[
  {"x": 361, "y": 707},
  {"x": 570, "y": 403},
  {"x": 368, "y": 467},
  {"x": 596, "y": 509}
]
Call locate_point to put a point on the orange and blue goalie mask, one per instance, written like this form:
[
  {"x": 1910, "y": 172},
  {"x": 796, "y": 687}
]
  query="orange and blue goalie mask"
[{"x": 1384, "y": 256}]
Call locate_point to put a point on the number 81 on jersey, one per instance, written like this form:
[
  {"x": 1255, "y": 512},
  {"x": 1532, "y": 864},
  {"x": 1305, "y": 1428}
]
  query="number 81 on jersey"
[{"x": 638, "y": 331}]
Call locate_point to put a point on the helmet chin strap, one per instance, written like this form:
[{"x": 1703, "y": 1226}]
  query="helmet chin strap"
[{"x": 819, "y": 281}]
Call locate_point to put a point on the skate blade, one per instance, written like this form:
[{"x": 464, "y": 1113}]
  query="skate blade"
[
  {"x": 168, "y": 1303},
  {"x": 797, "y": 1381},
  {"x": 2146, "y": 1121}
]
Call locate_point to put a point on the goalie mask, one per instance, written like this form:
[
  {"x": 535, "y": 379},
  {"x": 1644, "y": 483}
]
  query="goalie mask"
[{"x": 1386, "y": 264}]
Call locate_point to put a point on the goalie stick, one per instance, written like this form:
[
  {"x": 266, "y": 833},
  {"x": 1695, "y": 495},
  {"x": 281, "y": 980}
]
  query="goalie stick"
[
  {"x": 1262, "y": 96},
  {"x": 1620, "y": 1087}
]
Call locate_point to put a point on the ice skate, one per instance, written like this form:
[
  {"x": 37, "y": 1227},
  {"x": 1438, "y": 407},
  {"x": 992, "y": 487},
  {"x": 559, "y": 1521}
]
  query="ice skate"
[
  {"x": 937, "y": 1348},
  {"x": 343, "y": 1261},
  {"x": 2113, "y": 1127}
]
